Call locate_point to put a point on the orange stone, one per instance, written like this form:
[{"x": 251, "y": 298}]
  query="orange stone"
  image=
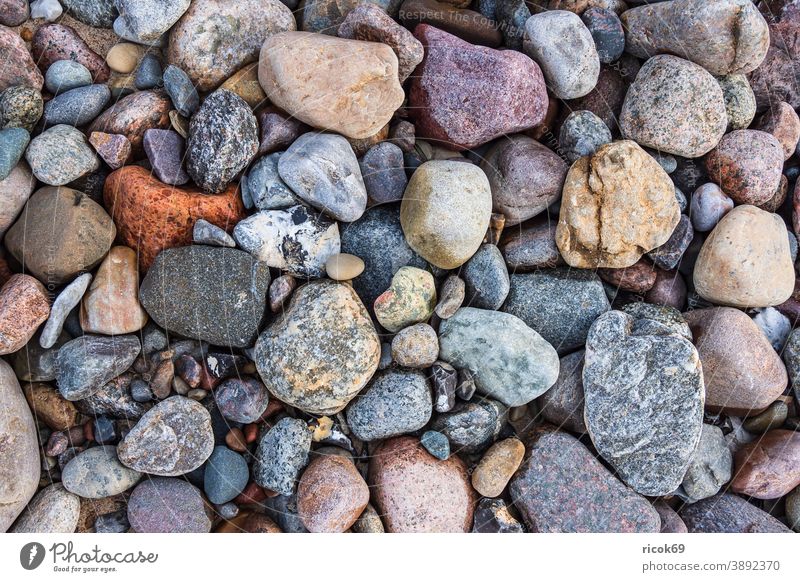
[
  {"x": 152, "y": 216},
  {"x": 24, "y": 306}
]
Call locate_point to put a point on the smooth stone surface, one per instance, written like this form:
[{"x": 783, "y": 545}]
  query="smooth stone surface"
[
  {"x": 709, "y": 204},
  {"x": 210, "y": 234},
  {"x": 115, "y": 149},
  {"x": 436, "y": 444},
  {"x": 87, "y": 362},
  {"x": 97, "y": 473},
  {"x": 241, "y": 400},
  {"x": 331, "y": 495},
  {"x": 163, "y": 505},
  {"x": 19, "y": 68},
  {"x": 225, "y": 475},
  {"x": 668, "y": 256},
  {"x": 133, "y": 115},
  {"x": 123, "y": 57},
  {"x": 343, "y": 267},
  {"x": 264, "y": 187},
  {"x": 56, "y": 42},
  {"x": 531, "y": 246},
  {"x": 581, "y": 134},
  {"x": 77, "y": 106},
  {"x": 770, "y": 467},
  {"x": 52, "y": 510},
  {"x": 410, "y": 299},
  {"x": 24, "y": 306},
  {"x": 165, "y": 150},
  {"x": 146, "y": 20},
  {"x": 383, "y": 171},
  {"x": 563, "y": 403},
  {"x": 148, "y": 73},
  {"x": 497, "y": 466},
  {"x": 710, "y": 468},
  {"x": 607, "y": 32},
  {"x": 60, "y": 155},
  {"x": 13, "y": 141},
  {"x": 728, "y": 513},
  {"x": 180, "y": 89},
  {"x": 281, "y": 455}
]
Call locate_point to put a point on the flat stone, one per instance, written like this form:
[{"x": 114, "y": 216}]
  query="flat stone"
[
  {"x": 60, "y": 155},
  {"x": 163, "y": 505},
  {"x": 133, "y": 115},
  {"x": 768, "y": 468},
  {"x": 96, "y": 473},
  {"x": 55, "y": 42},
  {"x": 343, "y": 267},
  {"x": 77, "y": 106},
  {"x": 581, "y": 134},
  {"x": 563, "y": 403},
  {"x": 14, "y": 141},
  {"x": 710, "y": 468},
  {"x": 52, "y": 510},
  {"x": 24, "y": 306},
  {"x": 281, "y": 455},
  {"x": 331, "y": 495},
  {"x": 87, "y": 362},
  {"x": 727, "y": 513},
  {"x": 244, "y": 83},
  {"x": 165, "y": 150},
  {"x": 50, "y": 407},
  {"x": 410, "y": 299},
  {"x": 19, "y": 68},
  {"x": 225, "y": 475}
]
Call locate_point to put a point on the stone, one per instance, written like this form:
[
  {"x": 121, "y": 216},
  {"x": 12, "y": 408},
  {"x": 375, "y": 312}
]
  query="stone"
[
  {"x": 531, "y": 246},
  {"x": 793, "y": 509},
  {"x": 331, "y": 495},
  {"x": 148, "y": 73},
  {"x": 50, "y": 408},
  {"x": 472, "y": 26},
  {"x": 152, "y": 216},
  {"x": 727, "y": 513},
  {"x": 324, "y": 16},
  {"x": 115, "y": 149},
  {"x": 165, "y": 150},
  {"x": 296, "y": 240},
  {"x": 60, "y": 155},
  {"x": 710, "y": 467},
  {"x": 321, "y": 351},
  {"x": 471, "y": 427},
  {"x": 724, "y": 37},
  {"x": 783, "y": 124},
  {"x": 709, "y": 204},
  {"x": 560, "y": 304},
  {"x": 445, "y": 385},
  {"x": 172, "y": 438},
  {"x": 281, "y": 455},
  {"x": 209, "y": 234},
  {"x": 133, "y": 115},
  {"x": 223, "y": 138},
  {"x": 37, "y": 364},
  {"x": 98, "y": 13},
  {"x": 416, "y": 346},
  {"x": 774, "y": 80},
  {"x": 775, "y": 326},
  {"x": 655, "y": 112},
  {"x": 581, "y": 134},
  {"x": 181, "y": 90},
  {"x": 569, "y": 73},
  {"x": 452, "y": 294},
  {"x": 563, "y": 403},
  {"x": 343, "y": 267},
  {"x": 21, "y": 107},
  {"x": 13, "y": 12},
  {"x": 416, "y": 492},
  {"x": 322, "y": 170},
  {"x": 241, "y": 400},
  {"x": 464, "y": 95},
  {"x": 740, "y": 101},
  {"x": 668, "y": 256},
  {"x": 607, "y": 33},
  {"x": 56, "y": 42},
  {"x": 225, "y": 476},
  {"x": 497, "y": 466},
  {"x": 296, "y": 67},
  {"x": 383, "y": 171},
  {"x": 436, "y": 444},
  {"x": 189, "y": 288},
  {"x": 742, "y": 372},
  {"x": 263, "y": 187},
  {"x": 52, "y": 510},
  {"x": 638, "y": 278},
  {"x": 163, "y": 505},
  {"x": 50, "y": 10},
  {"x": 145, "y": 21},
  {"x": 747, "y": 249},
  {"x": 410, "y": 299},
  {"x": 368, "y": 22},
  {"x": 20, "y": 466},
  {"x": 768, "y": 468},
  {"x": 19, "y": 68},
  {"x": 278, "y": 130},
  {"x": 24, "y": 306},
  {"x": 562, "y": 487},
  {"x": 114, "y": 399},
  {"x": 669, "y": 289},
  {"x": 616, "y": 205},
  {"x": 244, "y": 83},
  {"x": 671, "y": 522},
  {"x": 87, "y": 362},
  {"x": 123, "y": 57},
  {"x": 13, "y": 140},
  {"x": 493, "y": 516},
  {"x": 214, "y": 38},
  {"x": 368, "y": 522},
  {"x": 97, "y": 472},
  {"x": 395, "y": 402}
]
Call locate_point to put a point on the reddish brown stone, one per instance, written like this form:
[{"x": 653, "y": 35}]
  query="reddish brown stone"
[
  {"x": 415, "y": 492},
  {"x": 133, "y": 115},
  {"x": 151, "y": 216},
  {"x": 782, "y": 122},
  {"x": 464, "y": 95},
  {"x": 278, "y": 130},
  {"x": 768, "y": 468},
  {"x": 638, "y": 278},
  {"x": 18, "y": 68},
  {"x": 24, "y": 305},
  {"x": 671, "y": 522},
  {"x": 50, "y": 407},
  {"x": 466, "y": 24},
  {"x": 57, "y": 42},
  {"x": 605, "y": 100},
  {"x": 331, "y": 495},
  {"x": 115, "y": 149},
  {"x": 778, "y": 76},
  {"x": 260, "y": 523},
  {"x": 747, "y": 165},
  {"x": 668, "y": 289}
]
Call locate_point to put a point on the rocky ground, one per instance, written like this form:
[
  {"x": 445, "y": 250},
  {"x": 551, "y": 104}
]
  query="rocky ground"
[{"x": 402, "y": 266}]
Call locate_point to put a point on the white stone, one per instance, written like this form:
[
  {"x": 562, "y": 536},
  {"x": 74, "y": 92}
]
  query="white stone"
[{"x": 50, "y": 10}]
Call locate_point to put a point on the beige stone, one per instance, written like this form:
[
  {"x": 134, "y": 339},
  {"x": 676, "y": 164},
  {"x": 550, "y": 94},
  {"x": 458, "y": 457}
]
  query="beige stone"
[
  {"x": 616, "y": 205},
  {"x": 123, "y": 57},
  {"x": 111, "y": 304},
  {"x": 346, "y": 86},
  {"x": 343, "y": 267},
  {"x": 746, "y": 262},
  {"x": 244, "y": 83},
  {"x": 497, "y": 466}
]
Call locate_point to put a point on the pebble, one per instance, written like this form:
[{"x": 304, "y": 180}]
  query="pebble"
[
  {"x": 394, "y": 402},
  {"x": 331, "y": 495},
  {"x": 561, "y": 487},
  {"x": 210, "y": 234},
  {"x": 770, "y": 82},
  {"x": 20, "y": 106},
  {"x": 671, "y": 522},
  {"x": 531, "y": 246},
  {"x": 85, "y": 363},
  {"x": 607, "y": 32},
  {"x": 13, "y": 12},
  {"x": 728, "y": 513},
  {"x": 116, "y": 522},
  {"x": 775, "y": 326},
  {"x": 123, "y": 57},
  {"x": 36, "y": 364},
  {"x": 415, "y": 492},
  {"x": 223, "y": 138},
  {"x": 188, "y": 288},
  {"x": 569, "y": 74},
  {"x": 793, "y": 509},
  {"x": 19, "y": 68},
  {"x": 710, "y": 467},
  {"x": 451, "y": 297},
  {"x": 165, "y": 150},
  {"x": 241, "y": 399},
  {"x": 163, "y": 505},
  {"x": 410, "y": 299},
  {"x": 180, "y": 89},
  {"x": 52, "y": 510},
  {"x": 244, "y": 83},
  {"x": 282, "y": 453},
  {"x": 56, "y": 42},
  {"x": 113, "y": 398},
  {"x": 436, "y": 444},
  {"x": 655, "y": 112},
  {"x": 13, "y": 141},
  {"x": 60, "y": 155},
  {"x": 145, "y": 21},
  {"x": 279, "y": 292},
  {"x": 368, "y": 522},
  {"x": 638, "y": 278},
  {"x": 66, "y": 75},
  {"x": 492, "y": 516},
  {"x": 471, "y": 427},
  {"x": 172, "y": 438},
  {"x": 497, "y": 466},
  {"x": 768, "y": 468},
  {"x": 496, "y": 92},
  {"x": 99, "y": 13},
  {"x": 115, "y": 149},
  {"x": 563, "y": 403},
  {"x": 111, "y": 306},
  {"x": 416, "y": 346},
  {"x": 133, "y": 115},
  {"x": 740, "y": 102},
  {"x": 581, "y": 134},
  {"x": 742, "y": 372},
  {"x": 49, "y": 407},
  {"x": 747, "y": 247},
  {"x": 747, "y": 165},
  {"x": 278, "y": 130},
  {"x": 445, "y": 383},
  {"x": 456, "y": 20},
  {"x": 668, "y": 256},
  {"x": 97, "y": 473},
  {"x": 50, "y": 10},
  {"x": 486, "y": 278},
  {"x": 709, "y": 204},
  {"x": 321, "y": 351},
  {"x": 225, "y": 476},
  {"x": 263, "y": 188},
  {"x": 383, "y": 171},
  {"x": 148, "y": 73},
  {"x": 343, "y": 267}
]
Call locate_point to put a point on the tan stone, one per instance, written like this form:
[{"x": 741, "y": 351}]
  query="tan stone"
[
  {"x": 616, "y": 205},
  {"x": 746, "y": 262},
  {"x": 50, "y": 407},
  {"x": 343, "y": 267},
  {"x": 770, "y": 467},
  {"x": 24, "y": 306},
  {"x": 123, "y": 57},
  {"x": 497, "y": 466},
  {"x": 111, "y": 304},
  {"x": 331, "y": 495},
  {"x": 346, "y": 86},
  {"x": 244, "y": 83}
]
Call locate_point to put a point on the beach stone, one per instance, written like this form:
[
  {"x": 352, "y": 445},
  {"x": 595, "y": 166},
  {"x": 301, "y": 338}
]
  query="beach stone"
[
  {"x": 581, "y": 134},
  {"x": 52, "y": 510},
  {"x": 172, "y": 438},
  {"x": 445, "y": 211},
  {"x": 21, "y": 107},
  {"x": 152, "y": 216},
  {"x": 223, "y": 138},
  {"x": 709, "y": 204},
  {"x": 638, "y": 278},
  {"x": 241, "y": 399},
  {"x": 322, "y": 170},
  {"x": 560, "y": 304},
  {"x": 531, "y": 246},
  {"x": 148, "y": 73},
  {"x": 724, "y": 37},
  {"x": 727, "y": 513},
  {"x": 296, "y": 67},
  {"x": 395, "y": 402},
  {"x": 525, "y": 177},
  {"x": 621, "y": 181},
  {"x": 793, "y": 509},
  {"x": 123, "y": 57},
  {"x": 35, "y": 363},
  {"x": 19, "y": 68},
  {"x": 740, "y": 101},
  {"x": 87, "y": 362},
  {"x": 331, "y": 495},
  {"x": 383, "y": 171},
  {"x": 563, "y": 403},
  {"x": 343, "y": 267},
  {"x": 77, "y": 106},
  {"x": 163, "y": 505},
  {"x": 133, "y": 115},
  {"x": 569, "y": 74},
  {"x": 49, "y": 407},
  {"x": 56, "y": 42},
  {"x": 416, "y": 492},
  {"x": 471, "y": 427},
  {"x": 20, "y": 466},
  {"x": 114, "y": 399},
  {"x": 321, "y": 351},
  {"x": 188, "y": 288},
  {"x": 416, "y": 346},
  {"x": 13, "y": 12},
  {"x": 165, "y": 150},
  {"x": 445, "y": 384},
  {"x": 497, "y": 466},
  {"x": 181, "y": 90},
  {"x": 97, "y": 472},
  {"x": 769, "y": 467},
  {"x": 24, "y": 306},
  {"x": 669, "y": 289},
  {"x": 452, "y": 293},
  {"x": 668, "y": 256},
  {"x": 655, "y": 114},
  {"x": 410, "y": 299},
  {"x": 60, "y": 155},
  {"x": 65, "y": 75},
  {"x": 742, "y": 372},
  {"x": 774, "y": 80},
  {"x": 214, "y": 38},
  {"x": 452, "y": 17},
  {"x": 278, "y": 130},
  {"x": 493, "y": 516},
  {"x": 281, "y": 455},
  {"x": 436, "y": 444},
  {"x": 98, "y": 13},
  {"x": 562, "y": 487},
  {"x": 50, "y": 10},
  {"x": 145, "y": 21},
  {"x": 368, "y": 522},
  {"x": 502, "y": 93},
  {"x": 783, "y": 124},
  {"x": 296, "y": 240},
  {"x": 13, "y": 140},
  {"x": 775, "y": 326},
  {"x": 113, "y": 148},
  {"x": 264, "y": 186},
  {"x": 748, "y": 248},
  {"x": 244, "y": 83},
  {"x": 225, "y": 476},
  {"x": 644, "y": 418},
  {"x": 671, "y": 522},
  {"x": 607, "y": 33},
  {"x": 710, "y": 467}
]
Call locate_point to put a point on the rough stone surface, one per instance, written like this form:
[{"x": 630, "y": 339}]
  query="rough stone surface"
[
  {"x": 471, "y": 427},
  {"x": 727, "y": 513},
  {"x": 163, "y": 505},
  {"x": 281, "y": 455},
  {"x": 55, "y": 42},
  {"x": 782, "y": 122},
  {"x": 15, "y": 189},
  {"x": 410, "y": 299},
  {"x": 497, "y": 466},
  {"x": 331, "y": 495},
  {"x": 133, "y": 115},
  {"x": 563, "y": 403},
  {"x": 770, "y": 467},
  {"x": 53, "y": 510},
  {"x": 87, "y": 362},
  {"x": 60, "y": 155},
  {"x": 581, "y": 134},
  {"x": 740, "y": 102},
  {"x": 24, "y": 306},
  {"x": 19, "y": 68},
  {"x": 710, "y": 467}
]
